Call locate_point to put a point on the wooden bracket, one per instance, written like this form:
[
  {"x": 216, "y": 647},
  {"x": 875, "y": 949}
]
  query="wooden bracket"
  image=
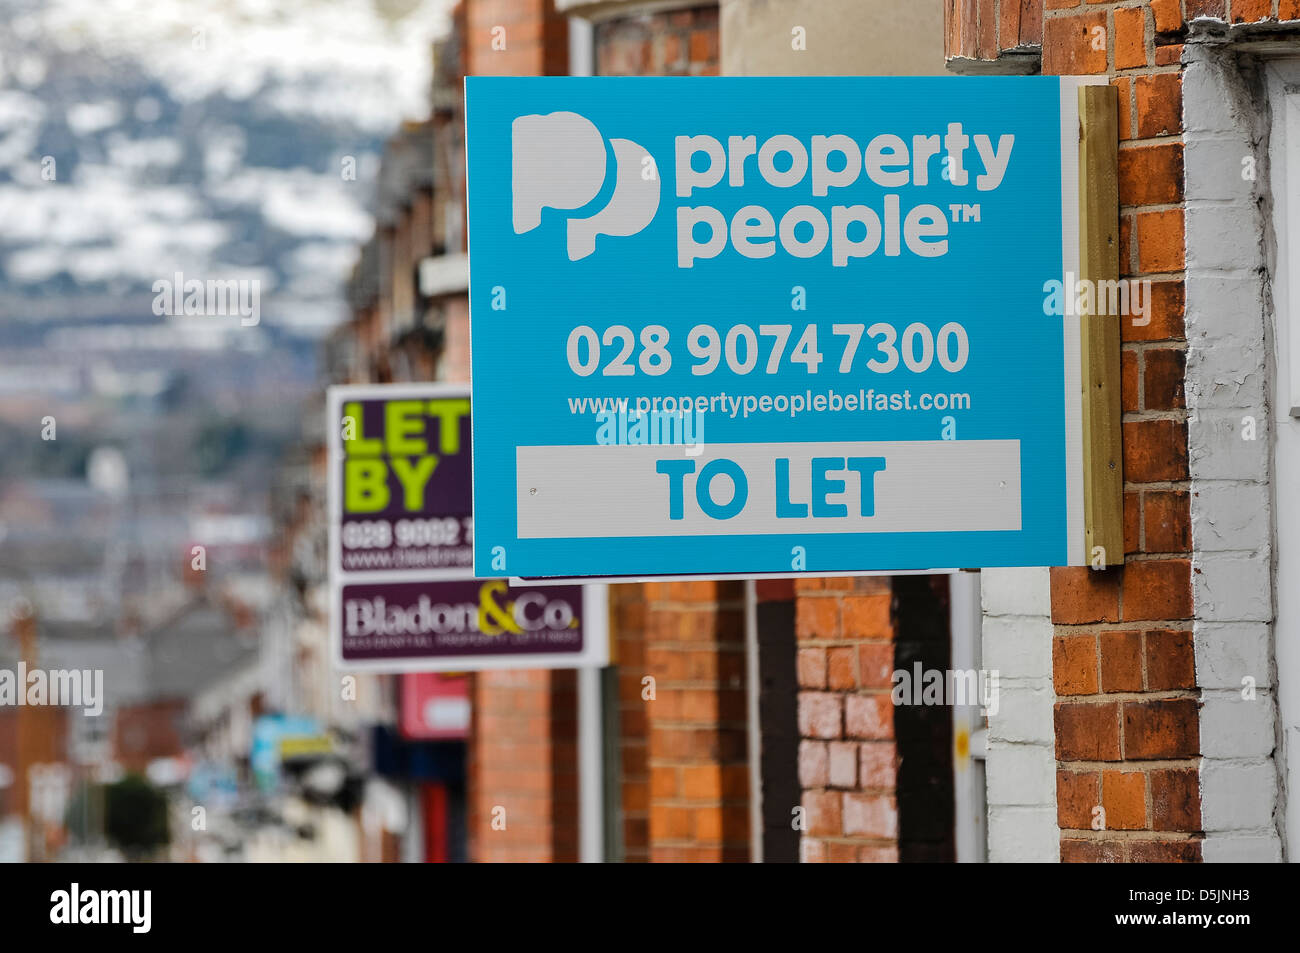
[{"x": 1103, "y": 471}]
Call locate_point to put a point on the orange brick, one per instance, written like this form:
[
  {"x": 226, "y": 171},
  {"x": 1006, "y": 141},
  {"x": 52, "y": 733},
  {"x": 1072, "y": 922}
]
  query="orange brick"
[
  {"x": 822, "y": 813},
  {"x": 1167, "y": 15},
  {"x": 1074, "y": 664},
  {"x": 877, "y": 765},
  {"x": 1151, "y": 175},
  {"x": 1160, "y": 241},
  {"x": 1155, "y": 450},
  {"x": 1168, "y": 518},
  {"x": 878, "y": 854},
  {"x": 702, "y": 782},
  {"x": 1170, "y": 55},
  {"x": 708, "y": 826},
  {"x": 670, "y": 823},
  {"x": 1077, "y": 793},
  {"x": 1086, "y": 731},
  {"x": 841, "y": 853},
  {"x": 841, "y": 669},
  {"x": 1175, "y": 800},
  {"x": 1130, "y": 37},
  {"x": 1161, "y": 729},
  {"x": 820, "y": 714},
  {"x": 1206, "y": 8},
  {"x": 869, "y": 717},
  {"x": 704, "y": 45},
  {"x": 1080, "y": 595},
  {"x": 867, "y": 617},
  {"x": 1288, "y": 10},
  {"x": 1132, "y": 522},
  {"x": 1124, "y": 85},
  {"x": 817, "y": 618},
  {"x": 1165, "y": 852},
  {"x": 1069, "y": 44},
  {"x": 876, "y": 664},
  {"x": 1251, "y": 11},
  {"x": 1158, "y": 589},
  {"x": 1093, "y": 851},
  {"x": 1162, "y": 379},
  {"x": 1159, "y": 104},
  {"x": 1171, "y": 663},
  {"x": 1123, "y": 796},
  {"x": 1121, "y": 661},
  {"x": 812, "y": 668},
  {"x": 1129, "y": 381},
  {"x": 1021, "y": 23}
]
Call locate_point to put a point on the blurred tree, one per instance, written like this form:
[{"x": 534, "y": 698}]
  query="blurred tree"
[{"x": 136, "y": 816}]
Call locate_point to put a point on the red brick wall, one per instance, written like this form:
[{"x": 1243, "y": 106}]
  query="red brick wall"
[
  {"x": 535, "y": 38},
  {"x": 680, "y": 43},
  {"x": 1127, "y": 734},
  {"x": 981, "y": 29},
  {"x": 697, "y": 732},
  {"x": 848, "y": 757},
  {"x": 685, "y": 791},
  {"x": 522, "y": 751},
  {"x": 522, "y": 768}
]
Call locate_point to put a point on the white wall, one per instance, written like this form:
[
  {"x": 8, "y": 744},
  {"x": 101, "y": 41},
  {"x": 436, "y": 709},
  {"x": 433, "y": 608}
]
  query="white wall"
[
  {"x": 1228, "y": 384},
  {"x": 1021, "y": 758}
]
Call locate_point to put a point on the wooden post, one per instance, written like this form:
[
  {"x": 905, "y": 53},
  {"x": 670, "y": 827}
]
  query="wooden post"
[{"x": 1103, "y": 471}]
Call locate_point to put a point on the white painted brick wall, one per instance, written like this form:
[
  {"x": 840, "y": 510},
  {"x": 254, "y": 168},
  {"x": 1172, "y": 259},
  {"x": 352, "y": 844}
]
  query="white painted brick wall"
[
  {"x": 1228, "y": 379},
  {"x": 1021, "y": 761}
]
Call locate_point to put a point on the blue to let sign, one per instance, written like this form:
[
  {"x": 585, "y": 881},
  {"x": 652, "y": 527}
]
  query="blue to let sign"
[{"x": 773, "y": 325}]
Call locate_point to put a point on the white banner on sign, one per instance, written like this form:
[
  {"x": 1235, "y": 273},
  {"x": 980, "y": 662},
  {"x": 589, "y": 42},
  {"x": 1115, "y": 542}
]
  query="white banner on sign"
[{"x": 908, "y": 486}]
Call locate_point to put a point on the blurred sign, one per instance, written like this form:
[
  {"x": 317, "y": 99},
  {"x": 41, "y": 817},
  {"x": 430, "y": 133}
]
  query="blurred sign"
[
  {"x": 399, "y": 481},
  {"x": 763, "y": 325},
  {"x": 435, "y": 706},
  {"x": 469, "y": 625},
  {"x": 401, "y": 533}
]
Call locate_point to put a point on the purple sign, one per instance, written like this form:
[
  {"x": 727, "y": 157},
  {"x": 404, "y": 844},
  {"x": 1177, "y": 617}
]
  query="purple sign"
[
  {"x": 402, "y": 470},
  {"x": 465, "y": 621}
]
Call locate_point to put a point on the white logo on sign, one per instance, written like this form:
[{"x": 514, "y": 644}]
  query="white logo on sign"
[{"x": 559, "y": 162}]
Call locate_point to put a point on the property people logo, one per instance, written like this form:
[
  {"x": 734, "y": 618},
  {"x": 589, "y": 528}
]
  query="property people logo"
[{"x": 559, "y": 161}]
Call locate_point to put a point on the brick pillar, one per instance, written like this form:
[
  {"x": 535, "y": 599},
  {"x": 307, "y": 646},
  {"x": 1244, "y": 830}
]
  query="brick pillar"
[
  {"x": 523, "y": 741},
  {"x": 695, "y": 723},
  {"x": 1127, "y": 735},
  {"x": 515, "y": 38},
  {"x": 522, "y": 770},
  {"x": 848, "y": 757},
  {"x": 1127, "y": 709}
]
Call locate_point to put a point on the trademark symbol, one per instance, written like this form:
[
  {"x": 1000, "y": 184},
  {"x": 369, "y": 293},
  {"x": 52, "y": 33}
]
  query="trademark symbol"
[{"x": 964, "y": 213}]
